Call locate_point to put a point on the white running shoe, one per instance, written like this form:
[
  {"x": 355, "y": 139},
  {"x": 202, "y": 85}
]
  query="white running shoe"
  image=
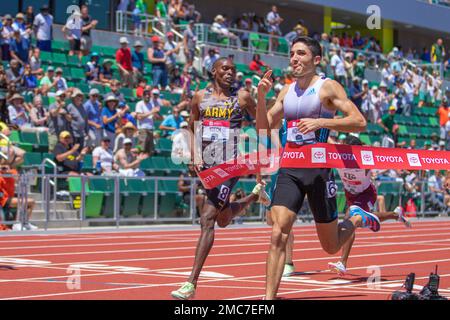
[
  {"x": 401, "y": 217},
  {"x": 29, "y": 226},
  {"x": 289, "y": 270},
  {"x": 18, "y": 227},
  {"x": 264, "y": 198},
  {"x": 337, "y": 267},
  {"x": 186, "y": 292}
]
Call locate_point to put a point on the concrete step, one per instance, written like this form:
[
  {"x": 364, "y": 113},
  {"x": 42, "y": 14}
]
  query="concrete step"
[
  {"x": 60, "y": 205},
  {"x": 60, "y": 215}
]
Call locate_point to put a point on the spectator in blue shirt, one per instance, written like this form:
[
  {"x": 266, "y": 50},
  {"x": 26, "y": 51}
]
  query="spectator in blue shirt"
[
  {"x": 29, "y": 80},
  {"x": 356, "y": 93},
  {"x": 93, "y": 111},
  {"x": 20, "y": 48},
  {"x": 137, "y": 59},
  {"x": 171, "y": 122},
  {"x": 6, "y": 36},
  {"x": 110, "y": 117},
  {"x": 358, "y": 42},
  {"x": 92, "y": 69},
  {"x": 106, "y": 73}
]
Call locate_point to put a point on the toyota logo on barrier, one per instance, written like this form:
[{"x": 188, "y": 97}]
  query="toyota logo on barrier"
[
  {"x": 367, "y": 157},
  {"x": 414, "y": 160},
  {"x": 319, "y": 155}
]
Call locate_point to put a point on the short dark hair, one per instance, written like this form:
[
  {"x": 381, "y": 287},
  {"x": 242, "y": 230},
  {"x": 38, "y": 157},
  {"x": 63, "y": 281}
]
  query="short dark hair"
[
  {"x": 352, "y": 140},
  {"x": 311, "y": 43},
  {"x": 220, "y": 60}
]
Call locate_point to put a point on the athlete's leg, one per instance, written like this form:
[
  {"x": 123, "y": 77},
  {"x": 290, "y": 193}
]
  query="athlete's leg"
[
  {"x": 289, "y": 244},
  {"x": 283, "y": 219},
  {"x": 381, "y": 203},
  {"x": 235, "y": 208},
  {"x": 347, "y": 247},
  {"x": 205, "y": 241}
]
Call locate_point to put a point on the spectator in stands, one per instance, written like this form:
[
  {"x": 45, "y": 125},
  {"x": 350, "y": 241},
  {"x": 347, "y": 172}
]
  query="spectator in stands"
[
  {"x": 4, "y": 113},
  {"x": 189, "y": 43},
  {"x": 157, "y": 58},
  {"x": 274, "y": 20},
  {"x": 59, "y": 120},
  {"x": 356, "y": 93},
  {"x": 29, "y": 15},
  {"x": 296, "y": 32},
  {"x": 48, "y": 83},
  {"x": 126, "y": 132},
  {"x": 162, "y": 9},
  {"x": 349, "y": 69},
  {"x": 238, "y": 82},
  {"x": 346, "y": 41},
  {"x": 334, "y": 45},
  {"x": 8, "y": 200},
  {"x": 256, "y": 64},
  {"x": 181, "y": 152},
  {"x": 388, "y": 124},
  {"x": 7, "y": 33},
  {"x": 14, "y": 74},
  {"x": 374, "y": 104},
  {"x": 171, "y": 49},
  {"x": 325, "y": 44},
  {"x": 139, "y": 9},
  {"x": 385, "y": 97},
  {"x": 359, "y": 66},
  {"x": 176, "y": 82},
  {"x": 140, "y": 88},
  {"x": 443, "y": 112},
  {"x": 123, "y": 59},
  {"x": 358, "y": 42},
  {"x": 146, "y": 111},
  {"x": 39, "y": 116},
  {"x": 29, "y": 81},
  {"x": 103, "y": 155},
  {"x": 106, "y": 72},
  {"x": 67, "y": 156},
  {"x": 171, "y": 123},
  {"x": 192, "y": 14},
  {"x": 412, "y": 144},
  {"x": 221, "y": 30},
  {"x": 43, "y": 28},
  {"x": 438, "y": 52},
  {"x": 442, "y": 146},
  {"x": 115, "y": 90},
  {"x": 242, "y": 24},
  {"x": 434, "y": 141},
  {"x": 72, "y": 32},
  {"x": 337, "y": 65},
  {"x": 79, "y": 122},
  {"x": 87, "y": 25},
  {"x": 110, "y": 117},
  {"x": 19, "y": 48},
  {"x": 128, "y": 160},
  {"x": 61, "y": 82},
  {"x": 438, "y": 198},
  {"x": 209, "y": 61},
  {"x": 92, "y": 69},
  {"x": 365, "y": 98},
  {"x": 93, "y": 112},
  {"x": 17, "y": 112},
  {"x": 249, "y": 87},
  {"x": 35, "y": 61}
]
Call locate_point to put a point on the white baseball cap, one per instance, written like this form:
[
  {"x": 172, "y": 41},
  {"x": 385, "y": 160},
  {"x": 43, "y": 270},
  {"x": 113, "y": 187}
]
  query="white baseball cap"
[
  {"x": 184, "y": 124},
  {"x": 123, "y": 40},
  {"x": 155, "y": 91},
  {"x": 127, "y": 141}
]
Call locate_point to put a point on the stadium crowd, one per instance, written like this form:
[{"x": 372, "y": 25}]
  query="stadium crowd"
[{"x": 119, "y": 135}]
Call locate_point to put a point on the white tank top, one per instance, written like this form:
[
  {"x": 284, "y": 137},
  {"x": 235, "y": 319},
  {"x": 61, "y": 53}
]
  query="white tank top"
[
  {"x": 299, "y": 104},
  {"x": 355, "y": 181}
]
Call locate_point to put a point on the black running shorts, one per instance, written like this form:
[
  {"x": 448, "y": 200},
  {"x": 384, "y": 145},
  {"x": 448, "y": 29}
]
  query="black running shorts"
[
  {"x": 318, "y": 184},
  {"x": 219, "y": 196}
]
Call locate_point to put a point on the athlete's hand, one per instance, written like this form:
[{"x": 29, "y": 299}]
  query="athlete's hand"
[
  {"x": 309, "y": 125},
  {"x": 265, "y": 84}
]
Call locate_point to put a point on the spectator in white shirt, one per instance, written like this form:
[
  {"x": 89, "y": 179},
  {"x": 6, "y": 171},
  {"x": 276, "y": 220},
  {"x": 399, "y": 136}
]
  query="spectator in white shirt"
[
  {"x": 222, "y": 31},
  {"x": 338, "y": 67},
  {"x": 209, "y": 61},
  {"x": 72, "y": 30},
  {"x": 146, "y": 110},
  {"x": 274, "y": 20},
  {"x": 43, "y": 28},
  {"x": 181, "y": 152},
  {"x": 104, "y": 156}
]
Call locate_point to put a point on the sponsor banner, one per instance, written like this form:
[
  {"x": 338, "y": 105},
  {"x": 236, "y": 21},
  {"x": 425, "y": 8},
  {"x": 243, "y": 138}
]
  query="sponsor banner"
[{"x": 323, "y": 155}]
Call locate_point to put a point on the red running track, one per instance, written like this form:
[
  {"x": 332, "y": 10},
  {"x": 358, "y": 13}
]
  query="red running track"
[{"x": 150, "y": 264}]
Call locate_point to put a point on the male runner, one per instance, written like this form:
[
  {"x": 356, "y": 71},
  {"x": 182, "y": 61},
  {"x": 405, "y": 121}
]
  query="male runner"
[
  {"x": 310, "y": 101},
  {"x": 220, "y": 111},
  {"x": 360, "y": 191}
]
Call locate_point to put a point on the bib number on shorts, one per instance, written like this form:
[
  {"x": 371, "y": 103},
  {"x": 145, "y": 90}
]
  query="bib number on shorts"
[
  {"x": 214, "y": 130},
  {"x": 294, "y": 134}
]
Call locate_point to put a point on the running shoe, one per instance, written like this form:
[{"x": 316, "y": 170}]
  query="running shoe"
[
  {"x": 264, "y": 198},
  {"x": 401, "y": 217},
  {"x": 18, "y": 227},
  {"x": 29, "y": 226},
  {"x": 186, "y": 292},
  {"x": 289, "y": 270},
  {"x": 369, "y": 220},
  {"x": 337, "y": 267}
]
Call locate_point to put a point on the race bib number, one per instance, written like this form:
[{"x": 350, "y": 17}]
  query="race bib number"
[
  {"x": 294, "y": 135},
  {"x": 214, "y": 130}
]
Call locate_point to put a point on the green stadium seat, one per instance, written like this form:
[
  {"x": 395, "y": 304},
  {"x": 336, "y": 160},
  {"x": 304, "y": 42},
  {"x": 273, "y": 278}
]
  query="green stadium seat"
[
  {"x": 77, "y": 73},
  {"x": 106, "y": 186},
  {"x": 32, "y": 138},
  {"x": 60, "y": 46},
  {"x": 32, "y": 160},
  {"x": 164, "y": 145},
  {"x": 88, "y": 165},
  {"x": 59, "y": 59},
  {"x": 73, "y": 61},
  {"x": 94, "y": 199},
  {"x": 130, "y": 198},
  {"x": 47, "y": 57},
  {"x": 149, "y": 197},
  {"x": 365, "y": 139}
]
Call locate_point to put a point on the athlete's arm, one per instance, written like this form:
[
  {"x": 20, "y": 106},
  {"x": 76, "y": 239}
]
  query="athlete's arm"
[
  {"x": 333, "y": 96},
  {"x": 447, "y": 180},
  {"x": 246, "y": 102},
  {"x": 268, "y": 120},
  {"x": 195, "y": 116}
]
